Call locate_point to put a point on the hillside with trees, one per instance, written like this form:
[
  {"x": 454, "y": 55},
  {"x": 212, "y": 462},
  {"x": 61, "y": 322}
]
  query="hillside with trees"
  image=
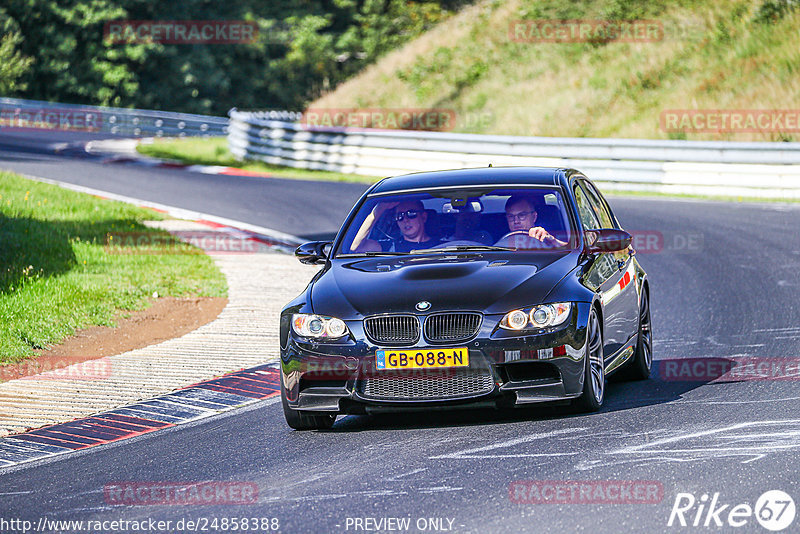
[{"x": 57, "y": 51}]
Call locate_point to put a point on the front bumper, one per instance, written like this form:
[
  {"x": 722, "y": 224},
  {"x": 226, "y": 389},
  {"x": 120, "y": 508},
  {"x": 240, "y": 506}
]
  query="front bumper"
[{"x": 505, "y": 369}]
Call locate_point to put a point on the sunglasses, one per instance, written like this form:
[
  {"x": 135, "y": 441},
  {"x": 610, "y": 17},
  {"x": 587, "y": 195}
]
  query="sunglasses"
[{"x": 411, "y": 214}]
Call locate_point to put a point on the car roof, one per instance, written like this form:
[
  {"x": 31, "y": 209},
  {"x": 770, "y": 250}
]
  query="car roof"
[{"x": 469, "y": 177}]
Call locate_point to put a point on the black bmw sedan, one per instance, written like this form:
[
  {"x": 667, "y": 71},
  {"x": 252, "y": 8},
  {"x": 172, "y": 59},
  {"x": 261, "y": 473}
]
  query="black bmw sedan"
[{"x": 494, "y": 287}]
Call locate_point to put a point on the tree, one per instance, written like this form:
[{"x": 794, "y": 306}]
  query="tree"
[{"x": 13, "y": 64}]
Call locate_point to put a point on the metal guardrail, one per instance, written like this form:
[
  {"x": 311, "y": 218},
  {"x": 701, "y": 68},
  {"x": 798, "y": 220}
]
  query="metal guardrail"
[
  {"x": 15, "y": 112},
  {"x": 699, "y": 167},
  {"x": 717, "y": 168}
]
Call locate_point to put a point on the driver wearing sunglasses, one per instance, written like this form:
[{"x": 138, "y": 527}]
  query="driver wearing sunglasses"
[{"x": 410, "y": 217}]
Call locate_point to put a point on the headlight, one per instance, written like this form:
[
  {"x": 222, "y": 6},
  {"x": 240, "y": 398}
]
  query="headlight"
[
  {"x": 515, "y": 320},
  {"x": 318, "y": 326},
  {"x": 542, "y": 316}
]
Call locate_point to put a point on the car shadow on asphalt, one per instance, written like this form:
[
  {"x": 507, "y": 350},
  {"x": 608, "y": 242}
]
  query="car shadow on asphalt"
[{"x": 620, "y": 396}]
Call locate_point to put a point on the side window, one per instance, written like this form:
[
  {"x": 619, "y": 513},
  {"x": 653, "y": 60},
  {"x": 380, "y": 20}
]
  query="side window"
[
  {"x": 598, "y": 205},
  {"x": 585, "y": 211},
  {"x": 602, "y": 270}
]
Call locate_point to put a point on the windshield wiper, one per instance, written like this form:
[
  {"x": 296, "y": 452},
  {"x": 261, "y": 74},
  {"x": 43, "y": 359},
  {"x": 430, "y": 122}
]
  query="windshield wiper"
[
  {"x": 370, "y": 253},
  {"x": 462, "y": 248}
]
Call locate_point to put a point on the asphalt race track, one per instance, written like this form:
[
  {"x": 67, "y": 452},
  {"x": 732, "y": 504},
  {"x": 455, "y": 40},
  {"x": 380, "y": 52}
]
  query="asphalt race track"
[
  {"x": 302, "y": 208},
  {"x": 724, "y": 281}
]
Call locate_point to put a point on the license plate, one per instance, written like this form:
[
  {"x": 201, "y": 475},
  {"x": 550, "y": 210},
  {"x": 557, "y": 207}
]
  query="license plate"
[{"x": 421, "y": 359}]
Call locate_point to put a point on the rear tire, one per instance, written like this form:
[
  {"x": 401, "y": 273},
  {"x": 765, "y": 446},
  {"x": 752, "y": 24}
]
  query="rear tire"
[
  {"x": 642, "y": 362},
  {"x": 594, "y": 377},
  {"x": 305, "y": 420}
]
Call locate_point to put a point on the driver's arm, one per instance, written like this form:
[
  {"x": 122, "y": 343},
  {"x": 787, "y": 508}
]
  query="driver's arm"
[
  {"x": 537, "y": 232},
  {"x": 360, "y": 241}
]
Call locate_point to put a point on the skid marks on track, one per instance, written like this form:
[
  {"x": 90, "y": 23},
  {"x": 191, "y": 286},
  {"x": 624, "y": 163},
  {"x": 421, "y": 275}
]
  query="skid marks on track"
[{"x": 744, "y": 442}]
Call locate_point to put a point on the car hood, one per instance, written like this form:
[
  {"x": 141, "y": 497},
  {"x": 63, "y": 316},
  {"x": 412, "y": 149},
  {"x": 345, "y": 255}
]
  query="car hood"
[{"x": 395, "y": 284}]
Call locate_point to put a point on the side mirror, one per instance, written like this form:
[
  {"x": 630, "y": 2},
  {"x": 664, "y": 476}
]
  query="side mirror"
[
  {"x": 607, "y": 240},
  {"x": 313, "y": 253}
]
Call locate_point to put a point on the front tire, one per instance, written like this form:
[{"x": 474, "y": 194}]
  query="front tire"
[
  {"x": 594, "y": 377},
  {"x": 305, "y": 420}
]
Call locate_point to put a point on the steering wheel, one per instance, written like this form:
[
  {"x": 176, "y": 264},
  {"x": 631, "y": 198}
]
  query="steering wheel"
[{"x": 519, "y": 239}]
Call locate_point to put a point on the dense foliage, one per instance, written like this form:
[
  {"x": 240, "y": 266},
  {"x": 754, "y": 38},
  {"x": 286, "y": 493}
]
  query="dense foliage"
[{"x": 57, "y": 51}]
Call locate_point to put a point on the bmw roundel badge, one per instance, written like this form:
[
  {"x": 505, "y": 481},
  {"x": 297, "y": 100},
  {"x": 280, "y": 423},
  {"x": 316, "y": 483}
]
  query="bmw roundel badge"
[{"x": 423, "y": 305}]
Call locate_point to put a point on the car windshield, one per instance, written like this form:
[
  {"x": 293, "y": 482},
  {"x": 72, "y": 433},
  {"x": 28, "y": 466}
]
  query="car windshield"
[{"x": 471, "y": 219}]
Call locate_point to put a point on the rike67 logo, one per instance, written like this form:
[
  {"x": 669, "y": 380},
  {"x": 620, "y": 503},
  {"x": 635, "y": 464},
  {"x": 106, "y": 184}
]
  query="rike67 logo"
[{"x": 774, "y": 510}]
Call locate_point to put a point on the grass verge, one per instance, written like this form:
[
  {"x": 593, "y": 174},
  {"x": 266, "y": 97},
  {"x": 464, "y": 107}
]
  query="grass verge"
[
  {"x": 57, "y": 275},
  {"x": 214, "y": 151}
]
